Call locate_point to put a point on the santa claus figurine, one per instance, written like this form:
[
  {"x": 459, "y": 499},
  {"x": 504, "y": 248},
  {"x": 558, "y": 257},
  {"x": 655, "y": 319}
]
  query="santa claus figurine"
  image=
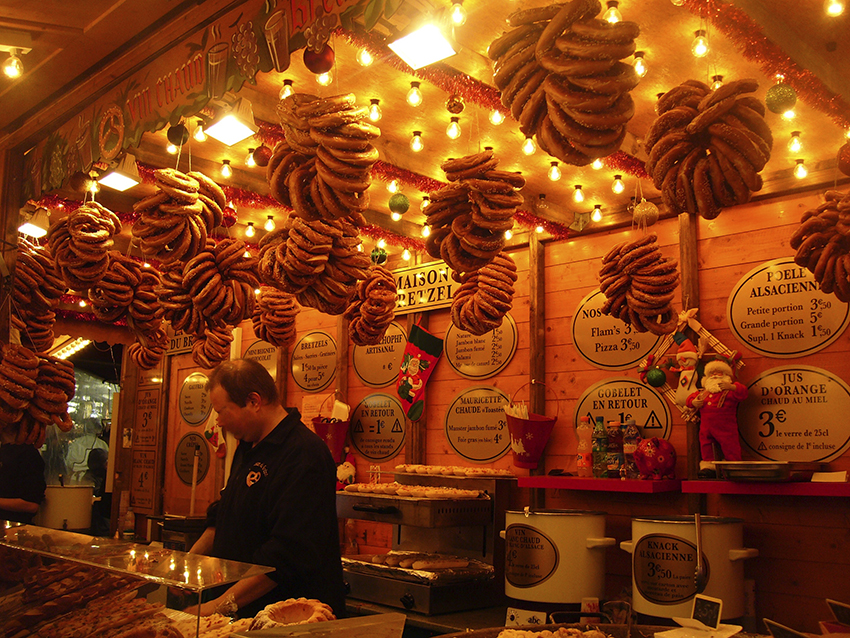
[
  {"x": 717, "y": 403},
  {"x": 686, "y": 360}
]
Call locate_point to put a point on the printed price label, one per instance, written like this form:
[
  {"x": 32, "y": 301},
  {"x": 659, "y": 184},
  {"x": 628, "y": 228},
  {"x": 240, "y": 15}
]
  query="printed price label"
[
  {"x": 314, "y": 361},
  {"x": 377, "y": 366},
  {"x": 378, "y": 427},
  {"x": 476, "y": 424},
  {"x": 194, "y": 400},
  {"x": 481, "y": 357}
]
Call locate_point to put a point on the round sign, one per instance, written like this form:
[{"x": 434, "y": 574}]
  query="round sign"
[
  {"x": 663, "y": 568},
  {"x": 194, "y": 399},
  {"x": 265, "y": 354},
  {"x": 377, "y": 366},
  {"x": 531, "y": 557},
  {"x": 777, "y": 310},
  {"x": 481, "y": 357},
  {"x": 314, "y": 361},
  {"x": 184, "y": 457},
  {"x": 378, "y": 427},
  {"x": 620, "y": 399},
  {"x": 606, "y": 341},
  {"x": 476, "y": 425},
  {"x": 796, "y": 413}
]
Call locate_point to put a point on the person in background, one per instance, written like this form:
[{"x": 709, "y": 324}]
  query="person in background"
[
  {"x": 279, "y": 506},
  {"x": 102, "y": 506},
  {"x": 78, "y": 451},
  {"x": 22, "y": 483}
]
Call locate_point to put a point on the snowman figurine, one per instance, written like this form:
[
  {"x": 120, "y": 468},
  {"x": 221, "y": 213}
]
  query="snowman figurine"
[{"x": 686, "y": 365}]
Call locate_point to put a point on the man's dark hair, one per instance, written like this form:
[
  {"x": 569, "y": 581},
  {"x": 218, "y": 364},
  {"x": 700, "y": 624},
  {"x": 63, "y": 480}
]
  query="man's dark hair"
[{"x": 241, "y": 377}]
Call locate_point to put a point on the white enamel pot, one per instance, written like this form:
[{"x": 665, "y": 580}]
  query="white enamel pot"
[{"x": 66, "y": 507}]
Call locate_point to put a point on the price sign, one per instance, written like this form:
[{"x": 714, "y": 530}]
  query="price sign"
[
  {"x": 481, "y": 357},
  {"x": 314, "y": 361},
  {"x": 605, "y": 341},
  {"x": 796, "y": 413},
  {"x": 377, "y": 365},
  {"x": 265, "y": 354},
  {"x": 476, "y": 426},
  {"x": 663, "y": 566},
  {"x": 147, "y": 414},
  {"x": 142, "y": 476},
  {"x": 777, "y": 310},
  {"x": 184, "y": 457},
  {"x": 194, "y": 399},
  {"x": 378, "y": 427},
  {"x": 621, "y": 399}
]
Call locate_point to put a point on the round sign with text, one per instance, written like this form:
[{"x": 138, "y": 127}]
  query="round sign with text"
[
  {"x": 663, "y": 568},
  {"x": 188, "y": 447},
  {"x": 194, "y": 399},
  {"x": 531, "y": 557},
  {"x": 796, "y": 413},
  {"x": 606, "y": 341},
  {"x": 778, "y": 310},
  {"x": 481, "y": 357},
  {"x": 314, "y": 361},
  {"x": 378, "y": 427},
  {"x": 476, "y": 425},
  {"x": 621, "y": 399},
  {"x": 377, "y": 366}
]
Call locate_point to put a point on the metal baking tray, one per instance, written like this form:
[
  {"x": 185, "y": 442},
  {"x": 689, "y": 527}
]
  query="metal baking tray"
[
  {"x": 476, "y": 570},
  {"x": 769, "y": 471},
  {"x": 419, "y": 512}
]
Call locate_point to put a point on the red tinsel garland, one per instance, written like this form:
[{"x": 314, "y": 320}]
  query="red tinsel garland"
[
  {"x": 394, "y": 239},
  {"x": 532, "y": 222},
  {"x": 389, "y": 172},
  {"x": 736, "y": 25},
  {"x": 621, "y": 162}
]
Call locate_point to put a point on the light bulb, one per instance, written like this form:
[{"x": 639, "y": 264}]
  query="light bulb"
[
  {"x": 416, "y": 144},
  {"x": 146, "y": 265},
  {"x": 426, "y": 230},
  {"x": 800, "y": 170},
  {"x": 578, "y": 194},
  {"x": 249, "y": 159},
  {"x": 246, "y": 254},
  {"x": 640, "y": 64},
  {"x": 269, "y": 225},
  {"x": 716, "y": 82},
  {"x": 617, "y": 185},
  {"x": 395, "y": 216},
  {"x": 405, "y": 255},
  {"x": 496, "y": 117},
  {"x": 226, "y": 170},
  {"x": 596, "y": 164},
  {"x": 414, "y": 95},
  {"x": 364, "y": 58},
  {"x": 612, "y": 14},
  {"x": 13, "y": 67},
  {"x": 699, "y": 47},
  {"x": 171, "y": 149},
  {"x": 528, "y": 146},
  {"x": 199, "y": 134},
  {"x": 286, "y": 90},
  {"x": 375, "y": 110},
  {"x": 596, "y": 215},
  {"x": 789, "y": 115},
  {"x": 453, "y": 129},
  {"x": 458, "y": 13},
  {"x": 833, "y": 8},
  {"x": 382, "y": 243},
  {"x": 324, "y": 79},
  {"x": 795, "y": 145},
  {"x": 508, "y": 234},
  {"x": 94, "y": 188},
  {"x": 677, "y": 3},
  {"x": 426, "y": 201},
  {"x": 82, "y": 303},
  {"x": 554, "y": 172},
  {"x": 847, "y": 134},
  {"x": 538, "y": 230},
  {"x": 392, "y": 186},
  {"x": 249, "y": 230}
]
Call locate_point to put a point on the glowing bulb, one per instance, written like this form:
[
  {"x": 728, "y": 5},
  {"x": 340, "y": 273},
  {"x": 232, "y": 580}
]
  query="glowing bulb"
[
  {"x": 249, "y": 159},
  {"x": 416, "y": 144},
  {"x": 269, "y": 225},
  {"x": 249, "y": 230},
  {"x": 382, "y": 243},
  {"x": 716, "y": 82},
  {"x": 795, "y": 145},
  {"x": 392, "y": 186},
  {"x": 578, "y": 194},
  {"x": 246, "y": 254},
  {"x": 612, "y": 14},
  {"x": 364, "y": 58},
  {"x": 508, "y": 234},
  {"x": 94, "y": 188},
  {"x": 596, "y": 215},
  {"x": 395, "y": 216},
  {"x": 789, "y": 115},
  {"x": 800, "y": 170},
  {"x": 496, "y": 117},
  {"x": 414, "y": 95},
  {"x": 375, "y": 110},
  {"x": 699, "y": 47},
  {"x": 226, "y": 170},
  {"x": 596, "y": 164},
  {"x": 554, "y": 172},
  {"x": 13, "y": 68},
  {"x": 640, "y": 64},
  {"x": 324, "y": 79},
  {"x": 528, "y": 146},
  {"x": 538, "y": 230},
  {"x": 458, "y": 13},
  {"x": 453, "y": 129},
  {"x": 286, "y": 90},
  {"x": 847, "y": 134},
  {"x": 171, "y": 149},
  {"x": 406, "y": 255},
  {"x": 833, "y": 8},
  {"x": 82, "y": 303},
  {"x": 617, "y": 185},
  {"x": 426, "y": 201},
  {"x": 199, "y": 134},
  {"x": 146, "y": 265},
  {"x": 426, "y": 230}
]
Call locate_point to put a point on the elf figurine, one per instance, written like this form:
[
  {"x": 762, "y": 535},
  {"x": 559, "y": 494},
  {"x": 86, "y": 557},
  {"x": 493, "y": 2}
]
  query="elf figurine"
[{"x": 686, "y": 360}]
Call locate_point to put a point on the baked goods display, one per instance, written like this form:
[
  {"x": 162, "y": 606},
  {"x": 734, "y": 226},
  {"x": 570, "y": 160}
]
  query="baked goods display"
[
  {"x": 373, "y": 308},
  {"x": 293, "y": 611},
  {"x": 212, "y": 198},
  {"x": 560, "y": 73},
  {"x": 421, "y": 561},
  {"x": 176, "y": 302},
  {"x": 412, "y": 491},
  {"x": 211, "y": 346},
  {"x": 485, "y": 296},
  {"x": 822, "y": 242},
  {"x": 36, "y": 291},
  {"x": 560, "y": 632},
  {"x": 451, "y": 470},
  {"x": 17, "y": 383},
  {"x": 706, "y": 148},
  {"x": 639, "y": 284},
  {"x": 274, "y": 316}
]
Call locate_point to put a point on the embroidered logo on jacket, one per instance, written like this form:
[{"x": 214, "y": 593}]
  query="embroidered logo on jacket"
[{"x": 258, "y": 471}]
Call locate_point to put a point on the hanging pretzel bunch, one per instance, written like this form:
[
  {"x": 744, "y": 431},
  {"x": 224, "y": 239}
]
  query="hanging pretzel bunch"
[
  {"x": 274, "y": 316},
  {"x": 373, "y": 309},
  {"x": 485, "y": 296},
  {"x": 36, "y": 291}
]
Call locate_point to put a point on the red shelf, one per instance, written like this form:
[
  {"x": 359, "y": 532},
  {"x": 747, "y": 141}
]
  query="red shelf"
[
  {"x": 766, "y": 489},
  {"x": 600, "y": 484}
]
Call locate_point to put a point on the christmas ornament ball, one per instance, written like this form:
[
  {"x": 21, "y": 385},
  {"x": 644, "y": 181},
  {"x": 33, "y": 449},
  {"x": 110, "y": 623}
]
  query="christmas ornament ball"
[
  {"x": 262, "y": 155},
  {"x": 646, "y": 213},
  {"x": 379, "y": 256},
  {"x": 656, "y": 377},
  {"x": 320, "y": 62},
  {"x": 229, "y": 217},
  {"x": 454, "y": 104},
  {"x": 844, "y": 159},
  {"x": 80, "y": 182},
  {"x": 399, "y": 203},
  {"x": 780, "y": 97},
  {"x": 177, "y": 134}
]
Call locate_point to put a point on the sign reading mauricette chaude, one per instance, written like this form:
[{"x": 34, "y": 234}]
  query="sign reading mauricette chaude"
[
  {"x": 476, "y": 425},
  {"x": 424, "y": 287}
]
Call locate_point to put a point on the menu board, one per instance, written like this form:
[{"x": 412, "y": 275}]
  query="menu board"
[
  {"x": 145, "y": 421},
  {"x": 481, "y": 357},
  {"x": 265, "y": 354},
  {"x": 796, "y": 413},
  {"x": 777, "y": 310},
  {"x": 378, "y": 427},
  {"x": 194, "y": 400},
  {"x": 184, "y": 457},
  {"x": 314, "y": 361},
  {"x": 620, "y": 399},
  {"x": 142, "y": 477},
  {"x": 605, "y": 341},
  {"x": 663, "y": 568},
  {"x": 377, "y": 365},
  {"x": 476, "y": 426}
]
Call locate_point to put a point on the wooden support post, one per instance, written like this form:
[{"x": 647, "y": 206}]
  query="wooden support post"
[
  {"x": 342, "y": 349},
  {"x": 537, "y": 345},
  {"x": 414, "y": 447}
]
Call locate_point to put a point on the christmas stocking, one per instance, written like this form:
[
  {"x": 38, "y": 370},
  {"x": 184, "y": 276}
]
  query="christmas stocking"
[
  {"x": 215, "y": 437},
  {"x": 420, "y": 356}
]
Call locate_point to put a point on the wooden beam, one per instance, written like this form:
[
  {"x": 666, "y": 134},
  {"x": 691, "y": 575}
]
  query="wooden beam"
[
  {"x": 688, "y": 264},
  {"x": 414, "y": 447},
  {"x": 537, "y": 345}
]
